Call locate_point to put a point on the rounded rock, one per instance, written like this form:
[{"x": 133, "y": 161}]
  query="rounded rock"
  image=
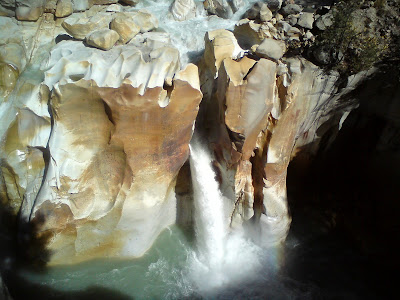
[{"x": 103, "y": 39}]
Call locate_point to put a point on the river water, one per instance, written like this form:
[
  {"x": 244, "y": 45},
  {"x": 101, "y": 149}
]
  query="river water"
[{"x": 216, "y": 264}]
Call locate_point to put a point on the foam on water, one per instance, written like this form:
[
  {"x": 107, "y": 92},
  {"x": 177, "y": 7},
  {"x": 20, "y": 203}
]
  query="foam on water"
[{"x": 188, "y": 36}]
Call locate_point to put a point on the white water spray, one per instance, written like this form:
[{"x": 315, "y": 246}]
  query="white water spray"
[
  {"x": 211, "y": 227},
  {"x": 223, "y": 258}
]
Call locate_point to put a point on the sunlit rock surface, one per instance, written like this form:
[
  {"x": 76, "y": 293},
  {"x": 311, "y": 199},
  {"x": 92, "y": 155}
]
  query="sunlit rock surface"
[
  {"x": 92, "y": 140},
  {"x": 256, "y": 114},
  {"x": 116, "y": 147}
]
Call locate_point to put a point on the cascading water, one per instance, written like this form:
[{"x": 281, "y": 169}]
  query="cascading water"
[
  {"x": 223, "y": 258},
  {"x": 211, "y": 224}
]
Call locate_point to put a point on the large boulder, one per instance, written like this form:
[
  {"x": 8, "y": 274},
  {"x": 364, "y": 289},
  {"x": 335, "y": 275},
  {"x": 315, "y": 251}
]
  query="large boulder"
[
  {"x": 80, "y": 26},
  {"x": 103, "y": 39},
  {"x": 144, "y": 19},
  {"x": 272, "y": 49},
  {"x": 306, "y": 20},
  {"x": 64, "y": 8},
  {"x": 291, "y": 9},
  {"x": 125, "y": 26}
]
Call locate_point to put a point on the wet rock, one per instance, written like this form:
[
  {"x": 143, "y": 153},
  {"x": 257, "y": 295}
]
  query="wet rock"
[
  {"x": 236, "y": 4},
  {"x": 103, "y": 39},
  {"x": 125, "y": 26},
  {"x": 64, "y": 8},
  {"x": 306, "y": 20},
  {"x": 272, "y": 49},
  {"x": 183, "y": 9}
]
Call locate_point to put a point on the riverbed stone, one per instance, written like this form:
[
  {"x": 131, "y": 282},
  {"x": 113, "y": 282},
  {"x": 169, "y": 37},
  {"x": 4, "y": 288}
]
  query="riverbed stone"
[
  {"x": 291, "y": 9},
  {"x": 79, "y": 26},
  {"x": 274, "y": 5},
  {"x": 125, "y": 26},
  {"x": 270, "y": 48},
  {"x": 306, "y": 20},
  {"x": 324, "y": 21},
  {"x": 64, "y": 8},
  {"x": 265, "y": 13},
  {"x": 103, "y": 39}
]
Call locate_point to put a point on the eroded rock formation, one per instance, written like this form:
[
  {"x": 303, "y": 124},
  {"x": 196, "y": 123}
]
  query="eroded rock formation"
[
  {"x": 97, "y": 114},
  {"x": 91, "y": 153},
  {"x": 256, "y": 113}
]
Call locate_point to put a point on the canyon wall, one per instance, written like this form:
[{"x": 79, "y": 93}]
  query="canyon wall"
[{"x": 97, "y": 114}]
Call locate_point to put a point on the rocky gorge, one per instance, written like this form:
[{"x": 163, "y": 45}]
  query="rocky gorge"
[{"x": 100, "y": 100}]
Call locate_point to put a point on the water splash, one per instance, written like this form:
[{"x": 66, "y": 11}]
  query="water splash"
[
  {"x": 188, "y": 36},
  {"x": 223, "y": 258}
]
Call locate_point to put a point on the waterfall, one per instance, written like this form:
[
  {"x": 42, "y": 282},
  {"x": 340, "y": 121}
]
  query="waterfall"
[
  {"x": 222, "y": 258},
  {"x": 211, "y": 224}
]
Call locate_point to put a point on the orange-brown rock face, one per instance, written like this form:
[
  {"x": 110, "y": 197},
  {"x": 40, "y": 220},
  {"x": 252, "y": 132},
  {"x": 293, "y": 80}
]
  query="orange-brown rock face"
[
  {"x": 115, "y": 154},
  {"x": 256, "y": 113}
]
